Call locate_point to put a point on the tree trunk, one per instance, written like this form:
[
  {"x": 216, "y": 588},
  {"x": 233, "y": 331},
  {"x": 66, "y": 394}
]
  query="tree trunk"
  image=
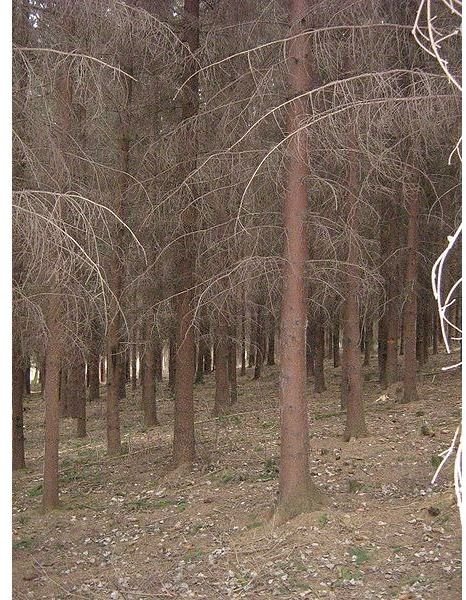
[
  {"x": 171, "y": 363},
  {"x": 114, "y": 376},
  {"x": 200, "y": 362},
  {"x": 27, "y": 377},
  {"x": 355, "y": 421},
  {"x": 243, "y": 338},
  {"x": 382, "y": 349},
  {"x": 336, "y": 343},
  {"x": 183, "y": 438},
  {"x": 259, "y": 340},
  {"x": 17, "y": 396},
  {"x": 65, "y": 394},
  {"x": 410, "y": 306},
  {"x": 134, "y": 376},
  {"x": 369, "y": 336},
  {"x": 222, "y": 394},
  {"x": 53, "y": 356},
  {"x": 149, "y": 404},
  {"x": 103, "y": 370},
  {"x": 124, "y": 374},
  {"x": 93, "y": 376},
  {"x": 309, "y": 350},
  {"x": 158, "y": 359},
  {"x": 232, "y": 371},
  {"x": 319, "y": 353},
  {"x": 435, "y": 329},
  {"x": 79, "y": 397},
  {"x": 297, "y": 492},
  {"x": 271, "y": 344}
]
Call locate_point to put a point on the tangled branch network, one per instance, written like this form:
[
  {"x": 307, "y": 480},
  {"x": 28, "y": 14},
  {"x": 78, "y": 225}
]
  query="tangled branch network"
[{"x": 437, "y": 26}]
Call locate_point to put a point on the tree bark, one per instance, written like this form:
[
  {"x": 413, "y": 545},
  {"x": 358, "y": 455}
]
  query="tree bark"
[
  {"x": 259, "y": 340},
  {"x": 79, "y": 397},
  {"x": 183, "y": 437},
  {"x": 114, "y": 373},
  {"x": 53, "y": 355},
  {"x": 355, "y": 421},
  {"x": 93, "y": 377},
  {"x": 319, "y": 353},
  {"x": 171, "y": 363},
  {"x": 158, "y": 359},
  {"x": 243, "y": 337},
  {"x": 368, "y": 340},
  {"x": 27, "y": 377},
  {"x": 149, "y": 404},
  {"x": 222, "y": 394},
  {"x": 17, "y": 395},
  {"x": 410, "y": 306},
  {"x": 336, "y": 342},
  {"x": 271, "y": 344},
  {"x": 297, "y": 492},
  {"x": 309, "y": 350},
  {"x": 232, "y": 374}
]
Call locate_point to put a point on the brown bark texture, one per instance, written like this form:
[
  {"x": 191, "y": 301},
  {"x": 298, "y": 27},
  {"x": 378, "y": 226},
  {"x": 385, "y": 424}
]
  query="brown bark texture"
[
  {"x": 149, "y": 404},
  {"x": 355, "y": 420},
  {"x": 297, "y": 492},
  {"x": 410, "y": 306},
  {"x": 319, "y": 353},
  {"x": 222, "y": 387},
  {"x": 259, "y": 340},
  {"x": 183, "y": 436},
  {"x": 271, "y": 342},
  {"x": 336, "y": 342},
  {"x": 53, "y": 353},
  {"x": 17, "y": 397},
  {"x": 232, "y": 374},
  {"x": 93, "y": 376}
]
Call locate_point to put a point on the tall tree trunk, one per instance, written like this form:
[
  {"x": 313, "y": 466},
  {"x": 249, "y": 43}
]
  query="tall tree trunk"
[
  {"x": 368, "y": 340},
  {"x": 309, "y": 350},
  {"x": 27, "y": 377},
  {"x": 93, "y": 376},
  {"x": 336, "y": 342},
  {"x": 355, "y": 421},
  {"x": 319, "y": 350},
  {"x": 133, "y": 360},
  {"x": 259, "y": 340},
  {"x": 183, "y": 437},
  {"x": 435, "y": 329},
  {"x": 103, "y": 370},
  {"x": 17, "y": 394},
  {"x": 222, "y": 394},
  {"x": 410, "y": 306},
  {"x": 297, "y": 492},
  {"x": 116, "y": 365},
  {"x": 79, "y": 396},
  {"x": 232, "y": 371},
  {"x": 158, "y": 359},
  {"x": 171, "y": 362},
  {"x": 149, "y": 404},
  {"x": 271, "y": 344},
  {"x": 114, "y": 373},
  {"x": 382, "y": 349},
  {"x": 20, "y": 14},
  {"x": 200, "y": 362},
  {"x": 243, "y": 337},
  {"x": 53, "y": 354}
]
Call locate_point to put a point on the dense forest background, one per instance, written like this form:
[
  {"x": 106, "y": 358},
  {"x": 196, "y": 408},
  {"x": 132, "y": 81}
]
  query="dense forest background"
[{"x": 204, "y": 189}]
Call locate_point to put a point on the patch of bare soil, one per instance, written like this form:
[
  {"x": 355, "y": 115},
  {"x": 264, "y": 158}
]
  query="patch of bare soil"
[{"x": 128, "y": 529}]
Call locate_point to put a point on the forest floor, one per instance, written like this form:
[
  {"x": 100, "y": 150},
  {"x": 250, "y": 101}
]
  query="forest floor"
[{"x": 130, "y": 529}]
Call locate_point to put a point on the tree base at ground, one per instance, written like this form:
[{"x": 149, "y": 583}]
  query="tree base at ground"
[{"x": 306, "y": 501}]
